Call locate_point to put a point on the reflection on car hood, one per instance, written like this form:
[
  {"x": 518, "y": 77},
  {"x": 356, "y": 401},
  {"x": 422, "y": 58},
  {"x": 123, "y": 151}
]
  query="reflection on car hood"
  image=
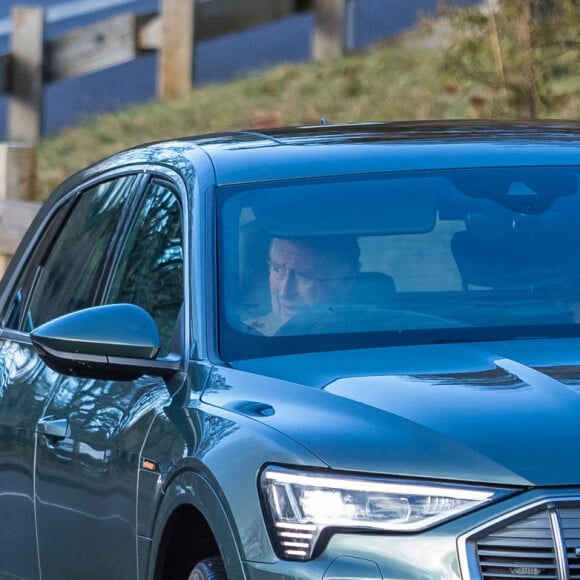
[{"x": 494, "y": 412}]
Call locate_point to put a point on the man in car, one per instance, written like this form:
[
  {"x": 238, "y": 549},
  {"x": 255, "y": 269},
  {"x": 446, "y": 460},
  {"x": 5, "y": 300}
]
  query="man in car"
[{"x": 307, "y": 276}]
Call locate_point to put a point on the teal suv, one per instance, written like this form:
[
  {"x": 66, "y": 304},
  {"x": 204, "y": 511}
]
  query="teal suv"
[{"x": 315, "y": 353}]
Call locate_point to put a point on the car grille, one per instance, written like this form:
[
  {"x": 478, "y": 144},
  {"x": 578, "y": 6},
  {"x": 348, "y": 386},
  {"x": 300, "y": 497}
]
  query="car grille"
[{"x": 543, "y": 544}]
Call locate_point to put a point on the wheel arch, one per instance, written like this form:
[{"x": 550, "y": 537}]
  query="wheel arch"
[{"x": 191, "y": 524}]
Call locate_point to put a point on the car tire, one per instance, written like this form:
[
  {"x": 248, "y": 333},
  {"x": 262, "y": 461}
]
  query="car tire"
[{"x": 209, "y": 569}]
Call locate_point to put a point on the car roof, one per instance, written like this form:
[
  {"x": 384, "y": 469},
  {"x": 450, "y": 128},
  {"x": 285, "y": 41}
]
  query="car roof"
[
  {"x": 326, "y": 150},
  {"x": 245, "y": 157}
]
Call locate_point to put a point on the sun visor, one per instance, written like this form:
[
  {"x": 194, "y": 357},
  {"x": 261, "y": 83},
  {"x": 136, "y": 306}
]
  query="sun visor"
[{"x": 392, "y": 206}]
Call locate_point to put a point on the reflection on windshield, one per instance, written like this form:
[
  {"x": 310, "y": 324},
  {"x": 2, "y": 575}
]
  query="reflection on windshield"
[{"x": 402, "y": 258}]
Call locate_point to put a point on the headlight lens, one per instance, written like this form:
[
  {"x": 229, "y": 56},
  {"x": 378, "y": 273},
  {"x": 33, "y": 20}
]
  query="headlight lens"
[{"x": 300, "y": 505}]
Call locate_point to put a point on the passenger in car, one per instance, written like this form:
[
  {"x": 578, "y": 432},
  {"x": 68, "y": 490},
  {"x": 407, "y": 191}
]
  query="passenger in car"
[{"x": 305, "y": 274}]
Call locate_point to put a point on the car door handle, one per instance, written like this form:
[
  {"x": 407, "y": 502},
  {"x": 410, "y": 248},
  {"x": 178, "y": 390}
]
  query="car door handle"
[{"x": 53, "y": 428}]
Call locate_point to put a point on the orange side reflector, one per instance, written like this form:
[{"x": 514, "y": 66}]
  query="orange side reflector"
[{"x": 149, "y": 464}]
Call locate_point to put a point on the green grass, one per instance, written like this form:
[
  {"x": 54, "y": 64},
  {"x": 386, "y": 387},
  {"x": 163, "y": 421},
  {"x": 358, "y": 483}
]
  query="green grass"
[{"x": 399, "y": 79}]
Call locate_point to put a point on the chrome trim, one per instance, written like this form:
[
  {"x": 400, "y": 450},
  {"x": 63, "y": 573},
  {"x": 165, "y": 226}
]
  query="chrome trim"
[{"x": 559, "y": 550}]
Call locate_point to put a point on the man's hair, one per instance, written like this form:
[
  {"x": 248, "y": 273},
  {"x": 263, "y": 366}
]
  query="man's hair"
[{"x": 343, "y": 248}]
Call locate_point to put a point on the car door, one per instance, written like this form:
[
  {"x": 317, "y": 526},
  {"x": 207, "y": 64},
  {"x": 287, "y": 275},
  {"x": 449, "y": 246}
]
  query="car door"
[
  {"x": 25, "y": 385},
  {"x": 88, "y": 452},
  {"x": 58, "y": 274}
]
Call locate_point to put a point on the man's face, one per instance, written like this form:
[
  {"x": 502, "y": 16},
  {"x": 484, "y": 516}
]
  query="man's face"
[{"x": 302, "y": 277}]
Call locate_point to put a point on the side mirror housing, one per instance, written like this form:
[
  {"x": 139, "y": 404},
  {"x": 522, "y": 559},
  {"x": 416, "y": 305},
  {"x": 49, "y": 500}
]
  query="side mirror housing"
[{"x": 117, "y": 342}]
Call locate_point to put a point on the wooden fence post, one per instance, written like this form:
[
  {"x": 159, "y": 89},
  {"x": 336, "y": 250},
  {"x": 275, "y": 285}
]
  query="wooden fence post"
[
  {"x": 26, "y": 101},
  {"x": 17, "y": 183},
  {"x": 331, "y": 28},
  {"x": 177, "y": 48}
]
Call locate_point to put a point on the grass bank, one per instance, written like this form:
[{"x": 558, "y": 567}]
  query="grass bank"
[{"x": 399, "y": 79}]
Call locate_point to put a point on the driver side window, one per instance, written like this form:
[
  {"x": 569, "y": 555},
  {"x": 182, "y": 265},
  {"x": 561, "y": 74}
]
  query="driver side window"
[{"x": 150, "y": 269}]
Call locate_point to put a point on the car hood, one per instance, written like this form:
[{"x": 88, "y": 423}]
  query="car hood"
[{"x": 504, "y": 413}]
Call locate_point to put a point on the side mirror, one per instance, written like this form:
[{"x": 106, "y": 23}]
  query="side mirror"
[{"x": 115, "y": 342}]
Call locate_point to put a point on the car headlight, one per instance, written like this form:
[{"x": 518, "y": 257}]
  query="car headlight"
[{"x": 301, "y": 505}]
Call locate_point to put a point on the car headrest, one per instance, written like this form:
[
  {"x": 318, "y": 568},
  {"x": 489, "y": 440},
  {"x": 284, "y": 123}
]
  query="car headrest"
[
  {"x": 504, "y": 250},
  {"x": 373, "y": 288}
]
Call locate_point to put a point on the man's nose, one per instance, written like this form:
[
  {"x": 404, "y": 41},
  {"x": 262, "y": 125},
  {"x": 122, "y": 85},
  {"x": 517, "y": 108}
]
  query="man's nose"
[{"x": 288, "y": 285}]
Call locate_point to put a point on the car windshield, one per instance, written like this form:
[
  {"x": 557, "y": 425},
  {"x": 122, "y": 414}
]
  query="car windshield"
[{"x": 399, "y": 258}]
